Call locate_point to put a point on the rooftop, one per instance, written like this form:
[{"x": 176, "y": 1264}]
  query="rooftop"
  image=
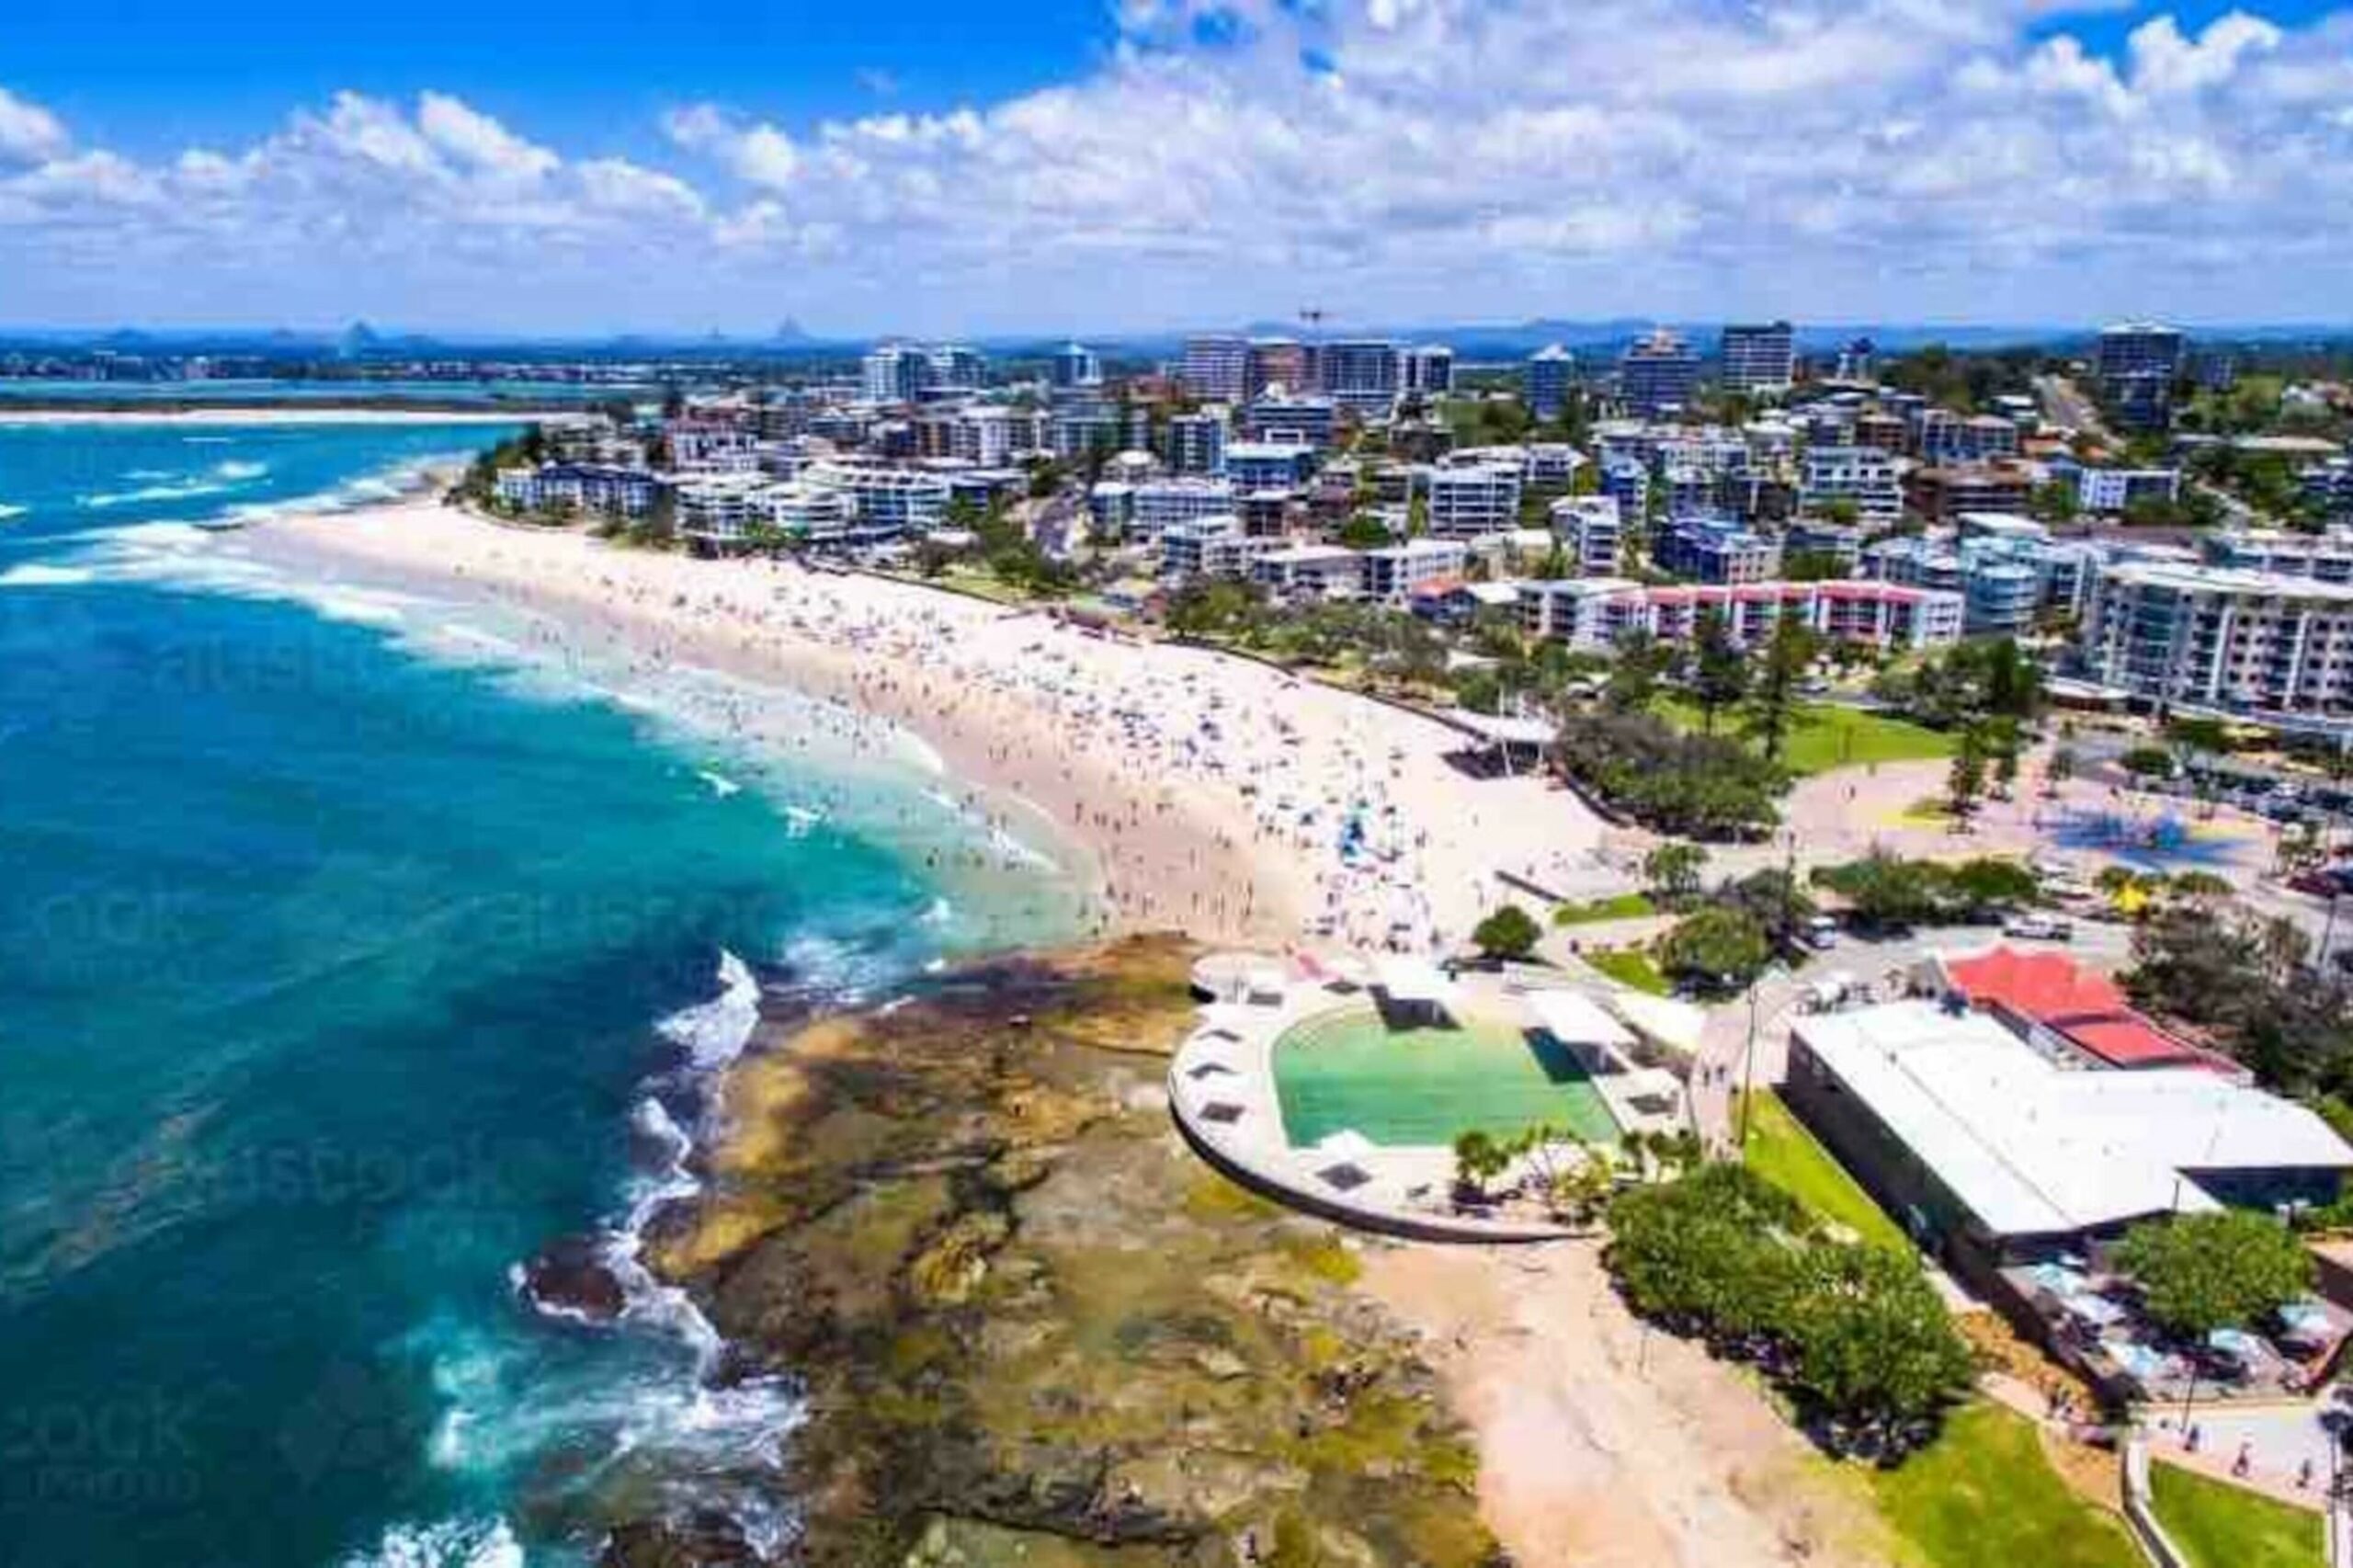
[{"x": 2036, "y": 1149}]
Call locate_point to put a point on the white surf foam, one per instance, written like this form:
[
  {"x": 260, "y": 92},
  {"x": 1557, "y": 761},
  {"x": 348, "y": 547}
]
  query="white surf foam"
[
  {"x": 33, "y": 575},
  {"x": 716, "y": 1031},
  {"x": 721, "y": 785},
  {"x": 451, "y": 1543},
  {"x": 7, "y": 511}
]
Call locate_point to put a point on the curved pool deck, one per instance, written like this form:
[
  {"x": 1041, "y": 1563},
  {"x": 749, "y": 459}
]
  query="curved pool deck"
[{"x": 1224, "y": 1092}]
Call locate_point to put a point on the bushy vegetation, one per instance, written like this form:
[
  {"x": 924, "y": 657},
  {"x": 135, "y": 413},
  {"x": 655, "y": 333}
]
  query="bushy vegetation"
[
  {"x": 1699, "y": 785},
  {"x": 1886, "y": 892},
  {"x": 2203, "y": 1272},
  {"x": 1854, "y": 1333},
  {"x": 2246, "y": 979},
  {"x": 1969, "y": 683}
]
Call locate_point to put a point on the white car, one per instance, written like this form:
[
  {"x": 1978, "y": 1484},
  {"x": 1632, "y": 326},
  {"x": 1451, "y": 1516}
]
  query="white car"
[{"x": 2040, "y": 927}]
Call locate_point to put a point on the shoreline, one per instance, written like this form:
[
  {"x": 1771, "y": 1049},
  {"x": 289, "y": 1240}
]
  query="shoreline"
[{"x": 1210, "y": 793}]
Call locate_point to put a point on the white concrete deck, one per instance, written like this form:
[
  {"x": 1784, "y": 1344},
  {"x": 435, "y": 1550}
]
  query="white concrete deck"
[{"x": 1222, "y": 1088}]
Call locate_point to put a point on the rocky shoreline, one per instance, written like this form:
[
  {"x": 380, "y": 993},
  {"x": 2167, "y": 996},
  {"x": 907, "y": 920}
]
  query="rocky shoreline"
[{"x": 1030, "y": 1326}]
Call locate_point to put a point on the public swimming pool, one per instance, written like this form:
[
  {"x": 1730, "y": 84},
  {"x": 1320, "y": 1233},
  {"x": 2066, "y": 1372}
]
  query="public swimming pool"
[{"x": 1347, "y": 1070}]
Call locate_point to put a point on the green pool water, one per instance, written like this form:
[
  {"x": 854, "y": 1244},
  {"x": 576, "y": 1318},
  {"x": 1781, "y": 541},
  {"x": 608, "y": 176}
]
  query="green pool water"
[{"x": 1428, "y": 1085}]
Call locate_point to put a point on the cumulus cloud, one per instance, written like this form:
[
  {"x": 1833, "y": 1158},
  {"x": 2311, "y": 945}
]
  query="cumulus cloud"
[
  {"x": 477, "y": 140},
  {"x": 27, "y": 129},
  {"x": 1390, "y": 159}
]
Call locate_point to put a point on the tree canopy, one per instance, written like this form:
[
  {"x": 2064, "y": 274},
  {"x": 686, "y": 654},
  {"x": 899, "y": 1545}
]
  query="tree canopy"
[{"x": 2201, "y": 1272}]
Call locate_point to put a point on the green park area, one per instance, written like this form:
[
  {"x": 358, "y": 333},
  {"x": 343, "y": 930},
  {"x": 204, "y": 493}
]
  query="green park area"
[
  {"x": 1780, "y": 1150},
  {"x": 1983, "y": 1492},
  {"x": 1624, "y": 906},
  {"x": 2220, "y": 1525},
  {"x": 1630, "y": 967},
  {"x": 1823, "y": 736}
]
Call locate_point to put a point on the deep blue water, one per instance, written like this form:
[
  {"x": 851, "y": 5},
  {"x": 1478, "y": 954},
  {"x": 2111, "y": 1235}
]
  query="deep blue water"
[{"x": 335, "y": 974}]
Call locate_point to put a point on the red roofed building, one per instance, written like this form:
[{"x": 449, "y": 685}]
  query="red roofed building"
[{"x": 2060, "y": 1007}]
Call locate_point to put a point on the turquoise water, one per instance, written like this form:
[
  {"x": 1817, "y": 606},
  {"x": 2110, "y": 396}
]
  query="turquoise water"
[
  {"x": 347, "y": 960},
  {"x": 1347, "y": 1070},
  {"x": 246, "y": 392}
]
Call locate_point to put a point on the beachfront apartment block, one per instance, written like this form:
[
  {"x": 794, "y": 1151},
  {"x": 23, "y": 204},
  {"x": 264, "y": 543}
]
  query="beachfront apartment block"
[
  {"x": 1830, "y": 478},
  {"x": 1550, "y": 378},
  {"x": 1160, "y": 504},
  {"x": 1362, "y": 375},
  {"x": 1311, "y": 572},
  {"x": 1275, "y": 362},
  {"x": 897, "y": 373},
  {"x": 1291, "y": 420},
  {"x": 885, "y": 502},
  {"x": 2327, "y": 556},
  {"x": 1394, "y": 572},
  {"x": 1426, "y": 369},
  {"x": 1940, "y": 435},
  {"x": 1194, "y": 443},
  {"x": 1208, "y": 547},
  {"x": 1939, "y": 496},
  {"x": 581, "y": 487},
  {"x": 1593, "y": 614},
  {"x": 1253, "y": 466},
  {"x": 1658, "y": 375},
  {"x": 2235, "y": 640},
  {"x": 1592, "y": 533},
  {"x": 1076, "y": 365},
  {"x": 1465, "y": 503},
  {"x": 1758, "y": 358},
  {"x": 2327, "y": 487},
  {"x": 2008, "y": 570},
  {"x": 2134, "y": 365},
  {"x": 1706, "y": 548},
  {"x": 1214, "y": 365},
  {"x": 2111, "y": 491}
]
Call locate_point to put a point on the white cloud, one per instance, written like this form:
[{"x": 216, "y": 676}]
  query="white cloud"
[
  {"x": 615, "y": 184},
  {"x": 28, "y": 130},
  {"x": 758, "y": 155},
  {"x": 1390, "y": 159},
  {"x": 2166, "y": 63},
  {"x": 458, "y": 129}
]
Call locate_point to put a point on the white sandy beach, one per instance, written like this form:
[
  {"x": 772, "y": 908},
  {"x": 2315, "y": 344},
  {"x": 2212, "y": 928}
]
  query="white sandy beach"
[
  {"x": 276, "y": 413},
  {"x": 1215, "y": 795}
]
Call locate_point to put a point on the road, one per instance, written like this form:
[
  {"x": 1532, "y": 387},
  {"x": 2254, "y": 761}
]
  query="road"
[
  {"x": 2063, "y": 403},
  {"x": 1724, "y": 1062}
]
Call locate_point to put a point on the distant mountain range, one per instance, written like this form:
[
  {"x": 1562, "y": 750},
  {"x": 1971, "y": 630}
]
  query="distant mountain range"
[{"x": 1471, "y": 341}]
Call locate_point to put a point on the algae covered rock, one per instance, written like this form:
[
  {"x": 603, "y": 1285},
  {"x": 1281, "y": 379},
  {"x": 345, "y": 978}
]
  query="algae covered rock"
[{"x": 1032, "y": 1327}]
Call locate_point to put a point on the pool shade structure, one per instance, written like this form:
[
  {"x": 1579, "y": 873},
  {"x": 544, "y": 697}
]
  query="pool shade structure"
[
  {"x": 1677, "y": 1026},
  {"x": 1578, "y": 1022},
  {"x": 1413, "y": 988}
]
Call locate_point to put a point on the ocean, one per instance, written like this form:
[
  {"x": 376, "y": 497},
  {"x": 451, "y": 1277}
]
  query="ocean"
[{"x": 350, "y": 951}]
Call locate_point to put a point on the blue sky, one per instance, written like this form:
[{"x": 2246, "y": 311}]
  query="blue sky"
[
  {"x": 1091, "y": 167},
  {"x": 161, "y": 73}
]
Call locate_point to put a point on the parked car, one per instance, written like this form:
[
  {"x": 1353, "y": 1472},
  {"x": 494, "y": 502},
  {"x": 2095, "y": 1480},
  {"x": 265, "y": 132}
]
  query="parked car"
[
  {"x": 2040, "y": 927},
  {"x": 1820, "y": 933}
]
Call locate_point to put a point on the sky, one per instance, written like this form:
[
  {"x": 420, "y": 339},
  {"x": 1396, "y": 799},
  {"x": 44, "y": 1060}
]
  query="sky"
[{"x": 1103, "y": 167}]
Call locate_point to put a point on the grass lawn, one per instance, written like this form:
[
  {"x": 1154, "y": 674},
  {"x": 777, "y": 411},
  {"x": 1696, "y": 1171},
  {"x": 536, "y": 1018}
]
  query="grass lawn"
[
  {"x": 1984, "y": 1494},
  {"x": 1629, "y": 966},
  {"x": 1625, "y": 906},
  {"x": 2220, "y": 1525},
  {"x": 1822, "y": 736},
  {"x": 1782, "y": 1152}
]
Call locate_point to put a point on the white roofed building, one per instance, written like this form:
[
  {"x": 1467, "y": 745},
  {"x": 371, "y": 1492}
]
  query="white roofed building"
[{"x": 2001, "y": 1153}]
